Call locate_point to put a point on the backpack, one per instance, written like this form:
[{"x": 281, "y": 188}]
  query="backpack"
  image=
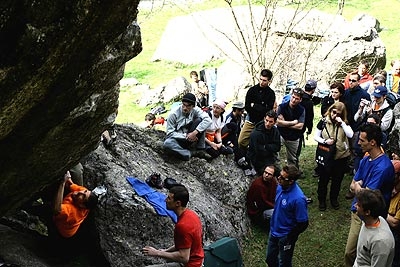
[{"x": 224, "y": 252}]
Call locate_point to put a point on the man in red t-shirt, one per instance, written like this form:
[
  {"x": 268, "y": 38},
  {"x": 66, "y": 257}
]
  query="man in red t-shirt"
[
  {"x": 70, "y": 211},
  {"x": 260, "y": 198},
  {"x": 187, "y": 250}
]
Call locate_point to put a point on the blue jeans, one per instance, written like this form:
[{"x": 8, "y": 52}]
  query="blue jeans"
[{"x": 280, "y": 251}]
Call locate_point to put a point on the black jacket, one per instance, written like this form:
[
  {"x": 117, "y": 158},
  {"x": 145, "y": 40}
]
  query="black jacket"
[
  {"x": 308, "y": 106},
  {"x": 263, "y": 99},
  {"x": 264, "y": 146}
]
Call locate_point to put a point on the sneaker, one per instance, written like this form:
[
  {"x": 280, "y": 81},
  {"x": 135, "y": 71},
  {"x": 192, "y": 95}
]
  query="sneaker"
[
  {"x": 248, "y": 172},
  {"x": 309, "y": 200},
  {"x": 242, "y": 162},
  {"x": 253, "y": 171}
]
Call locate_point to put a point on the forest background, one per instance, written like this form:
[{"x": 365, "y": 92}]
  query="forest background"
[{"x": 324, "y": 241}]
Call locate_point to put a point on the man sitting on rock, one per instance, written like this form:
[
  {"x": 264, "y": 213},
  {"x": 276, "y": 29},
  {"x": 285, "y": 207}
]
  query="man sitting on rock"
[{"x": 186, "y": 129}]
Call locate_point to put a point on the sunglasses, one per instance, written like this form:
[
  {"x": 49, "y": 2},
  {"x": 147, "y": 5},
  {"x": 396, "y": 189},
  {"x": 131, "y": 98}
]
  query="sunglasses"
[
  {"x": 336, "y": 113},
  {"x": 280, "y": 177},
  {"x": 353, "y": 81}
]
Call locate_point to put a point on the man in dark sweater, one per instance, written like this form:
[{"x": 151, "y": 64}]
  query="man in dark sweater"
[
  {"x": 259, "y": 99},
  {"x": 265, "y": 143}
]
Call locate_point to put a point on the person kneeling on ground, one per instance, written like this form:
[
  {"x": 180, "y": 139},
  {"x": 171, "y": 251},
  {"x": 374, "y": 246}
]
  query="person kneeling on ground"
[{"x": 185, "y": 129}]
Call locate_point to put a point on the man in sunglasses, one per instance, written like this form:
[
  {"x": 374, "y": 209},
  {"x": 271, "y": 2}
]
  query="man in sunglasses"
[
  {"x": 352, "y": 99},
  {"x": 289, "y": 219}
]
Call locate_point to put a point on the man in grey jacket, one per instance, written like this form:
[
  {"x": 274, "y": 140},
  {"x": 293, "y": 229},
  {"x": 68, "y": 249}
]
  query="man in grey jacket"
[{"x": 186, "y": 129}]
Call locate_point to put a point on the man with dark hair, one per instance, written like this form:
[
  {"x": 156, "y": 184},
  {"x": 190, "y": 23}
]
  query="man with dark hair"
[
  {"x": 265, "y": 143},
  {"x": 260, "y": 198},
  {"x": 289, "y": 219},
  {"x": 70, "y": 211},
  {"x": 188, "y": 243},
  {"x": 376, "y": 171},
  {"x": 375, "y": 246},
  {"x": 259, "y": 99},
  {"x": 186, "y": 128},
  {"x": 291, "y": 118}
]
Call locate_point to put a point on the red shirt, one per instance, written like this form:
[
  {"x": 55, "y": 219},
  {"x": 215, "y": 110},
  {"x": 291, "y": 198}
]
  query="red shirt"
[
  {"x": 261, "y": 196},
  {"x": 188, "y": 233},
  {"x": 70, "y": 217}
]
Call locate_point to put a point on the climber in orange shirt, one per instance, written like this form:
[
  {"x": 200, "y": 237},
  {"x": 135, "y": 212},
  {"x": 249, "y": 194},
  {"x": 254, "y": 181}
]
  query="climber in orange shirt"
[{"x": 70, "y": 211}]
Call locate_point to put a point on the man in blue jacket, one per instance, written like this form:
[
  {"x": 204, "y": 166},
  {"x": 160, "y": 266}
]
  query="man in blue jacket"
[{"x": 289, "y": 219}]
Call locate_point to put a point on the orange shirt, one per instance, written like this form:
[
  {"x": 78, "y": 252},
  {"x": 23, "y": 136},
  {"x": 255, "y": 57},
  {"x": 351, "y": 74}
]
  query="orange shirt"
[{"x": 71, "y": 216}]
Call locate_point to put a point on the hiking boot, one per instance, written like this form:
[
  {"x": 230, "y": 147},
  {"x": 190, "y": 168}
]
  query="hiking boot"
[
  {"x": 335, "y": 204},
  {"x": 154, "y": 180},
  {"x": 226, "y": 150},
  {"x": 349, "y": 195},
  {"x": 322, "y": 205}
]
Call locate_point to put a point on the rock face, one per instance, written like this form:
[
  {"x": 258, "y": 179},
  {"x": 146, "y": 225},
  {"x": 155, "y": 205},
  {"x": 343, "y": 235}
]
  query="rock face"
[
  {"x": 126, "y": 222},
  {"x": 60, "y": 64}
]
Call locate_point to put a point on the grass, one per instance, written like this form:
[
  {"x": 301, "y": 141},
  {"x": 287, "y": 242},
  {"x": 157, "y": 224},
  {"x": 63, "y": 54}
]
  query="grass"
[{"x": 323, "y": 243}]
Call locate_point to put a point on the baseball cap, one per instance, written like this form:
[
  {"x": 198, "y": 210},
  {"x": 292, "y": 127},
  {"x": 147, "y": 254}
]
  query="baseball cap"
[
  {"x": 220, "y": 103},
  {"x": 311, "y": 85},
  {"x": 189, "y": 98},
  {"x": 238, "y": 104},
  {"x": 380, "y": 91}
]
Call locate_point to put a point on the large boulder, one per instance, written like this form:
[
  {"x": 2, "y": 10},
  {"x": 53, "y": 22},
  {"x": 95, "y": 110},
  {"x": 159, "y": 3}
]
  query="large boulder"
[{"x": 60, "y": 66}]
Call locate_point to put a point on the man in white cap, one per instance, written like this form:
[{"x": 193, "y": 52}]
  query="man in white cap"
[{"x": 186, "y": 129}]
